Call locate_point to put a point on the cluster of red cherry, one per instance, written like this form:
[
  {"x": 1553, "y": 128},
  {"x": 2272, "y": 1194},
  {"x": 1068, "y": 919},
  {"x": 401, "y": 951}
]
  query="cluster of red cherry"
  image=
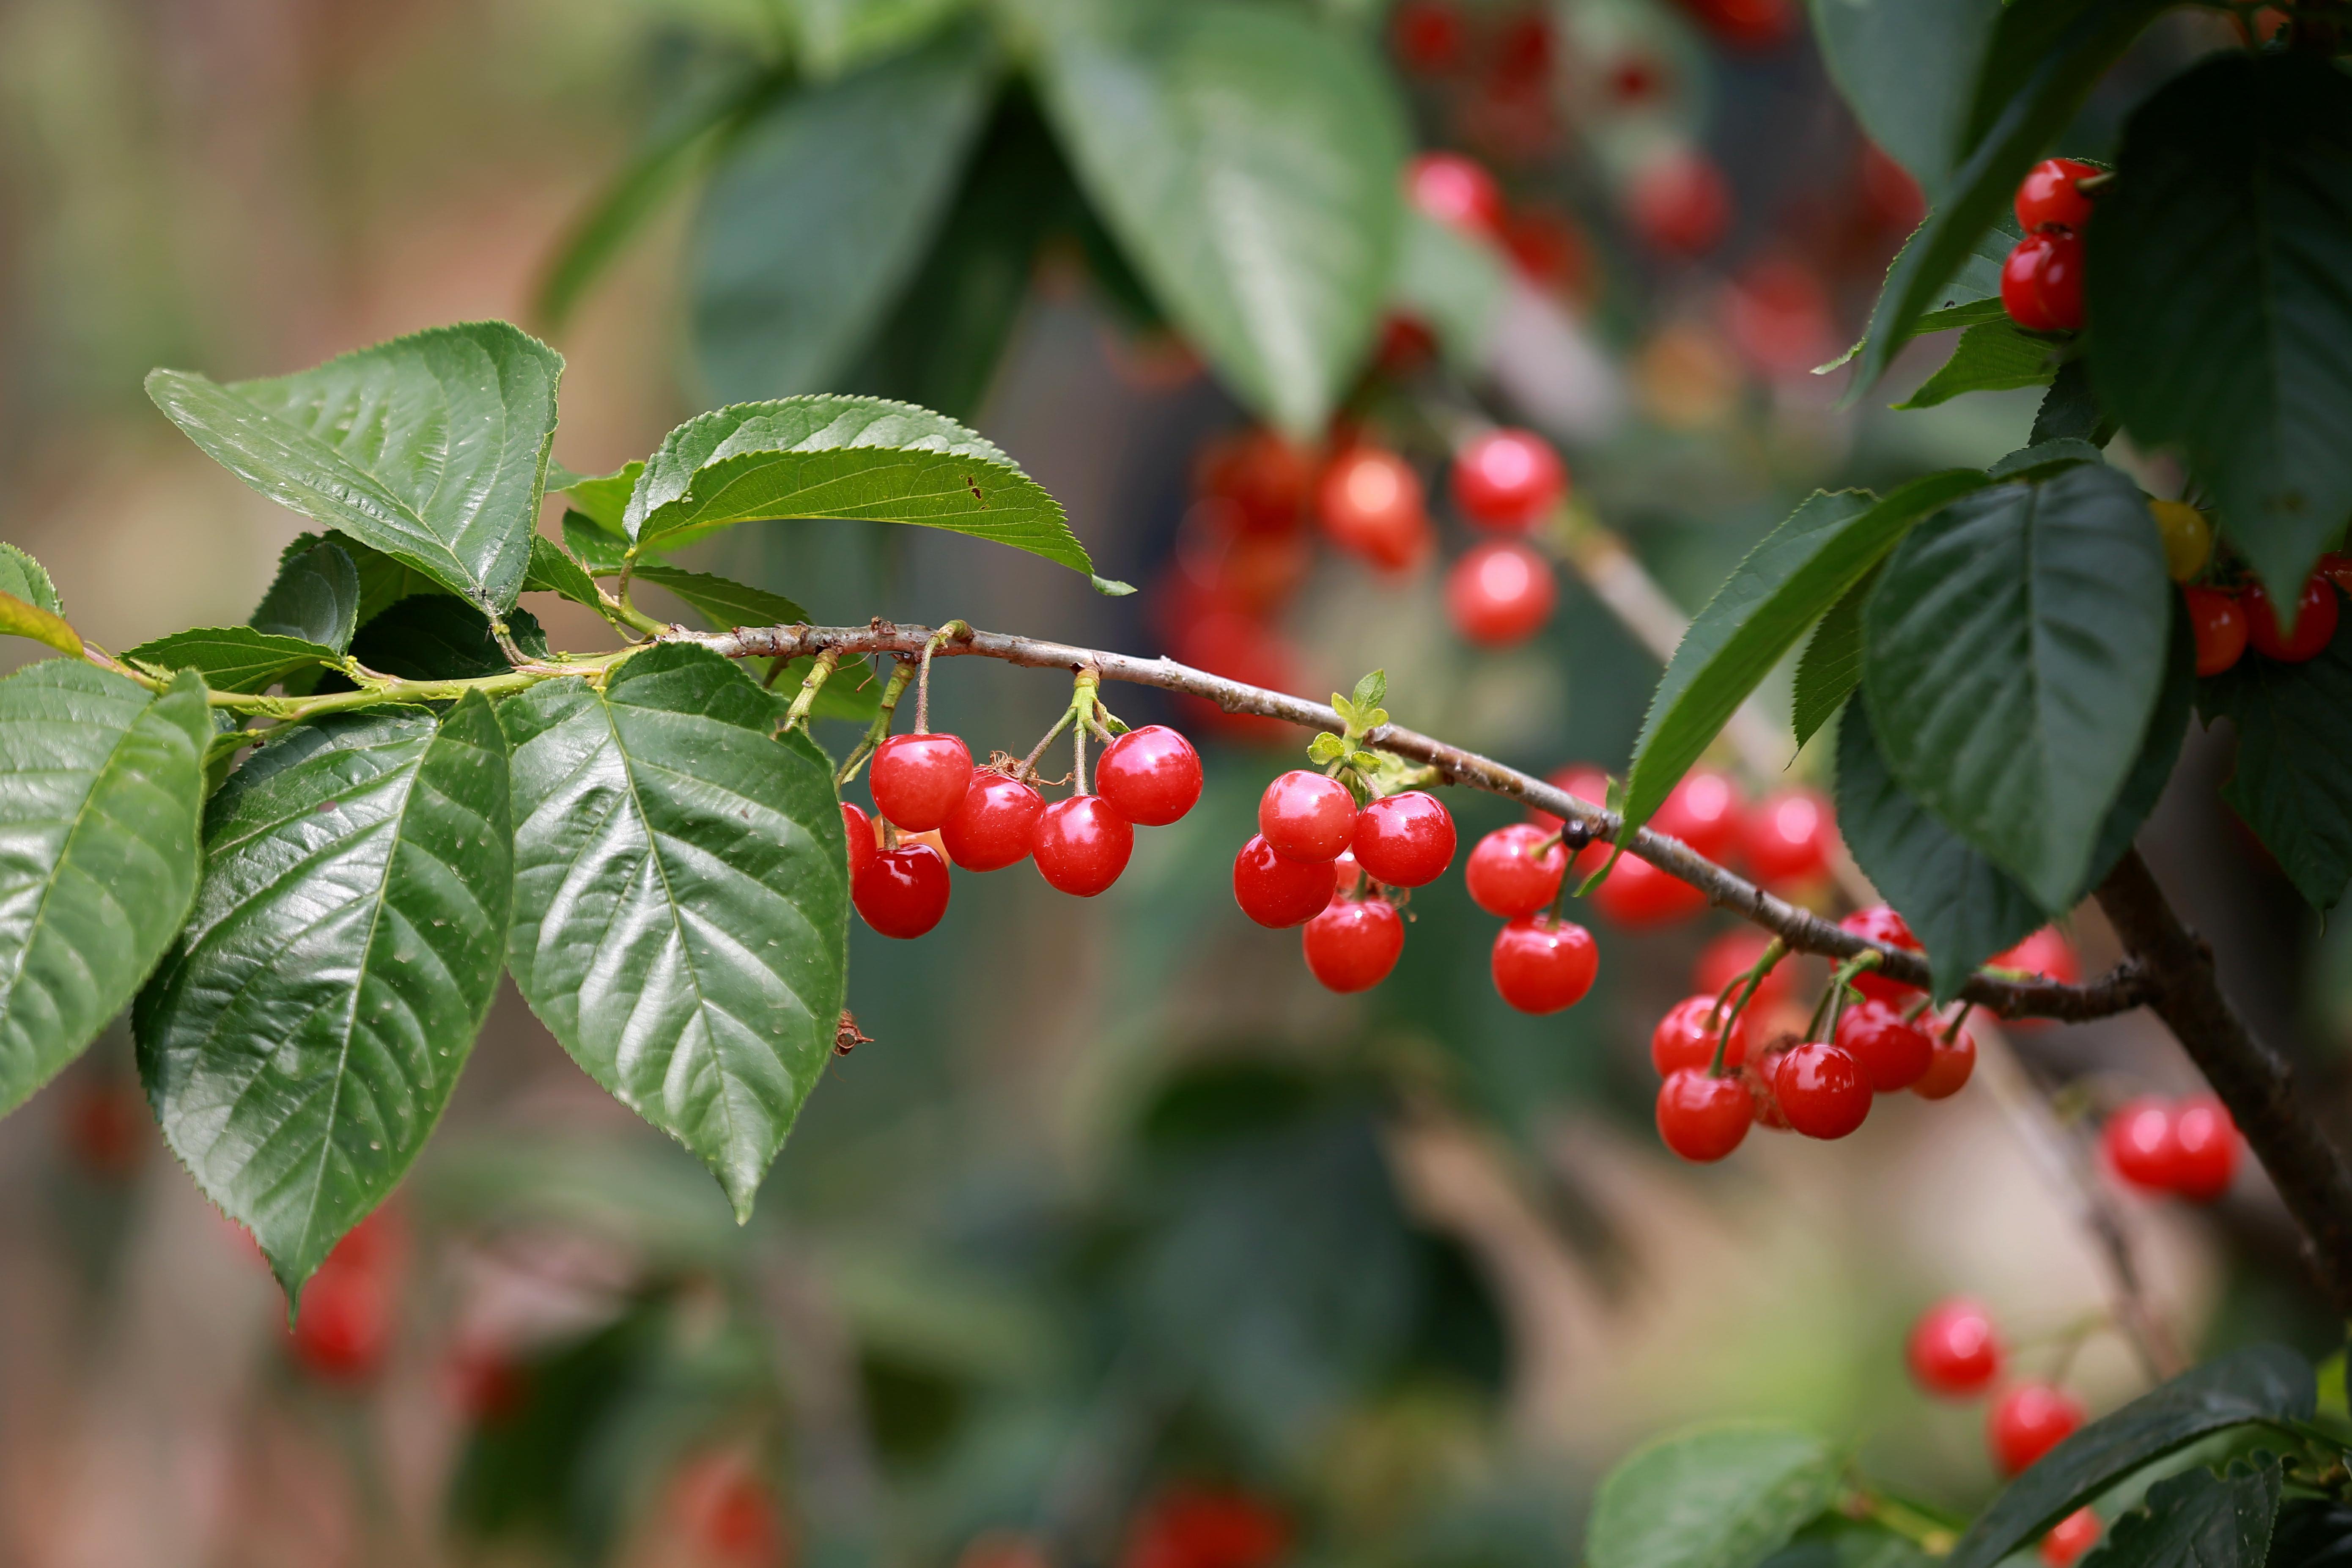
[
  {"x": 1883, "y": 1043},
  {"x": 2185, "y": 1148},
  {"x": 935, "y": 807},
  {"x": 1782, "y": 841},
  {"x": 2042, "y": 281},
  {"x": 1320, "y": 861},
  {"x": 2226, "y": 620},
  {"x": 1955, "y": 1354}
]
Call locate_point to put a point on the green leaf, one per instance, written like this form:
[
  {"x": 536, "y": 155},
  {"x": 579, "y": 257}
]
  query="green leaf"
[
  {"x": 1831, "y": 666},
  {"x": 1795, "y": 573},
  {"x": 1992, "y": 356},
  {"x": 438, "y": 637},
  {"x": 2041, "y": 460},
  {"x": 1723, "y": 1498},
  {"x": 2263, "y": 1382},
  {"x": 681, "y": 899},
  {"x": 303, "y": 1038},
  {"x": 101, "y": 793},
  {"x": 555, "y": 570},
  {"x": 1371, "y": 691},
  {"x": 1249, "y": 162},
  {"x": 1907, "y": 69},
  {"x": 2293, "y": 781},
  {"x": 430, "y": 447},
  {"x": 822, "y": 211},
  {"x": 603, "y": 500},
  {"x": 2042, "y": 65},
  {"x": 1454, "y": 283},
  {"x": 22, "y": 578},
  {"x": 834, "y": 35},
  {"x": 598, "y": 551},
  {"x": 2217, "y": 273},
  {"x": 2012, "y": 654},
  {"x": 2070, "y": 409},
  {"x": 1969, "y": 297},
  {"x": 20, "y": 619},
  {"x": 655, "y": 175},
  {"x": 723, "y": 603},
  {"x": 843, "y": 458},
  {"x": 233, "y": 658},
  {"x": 383, "y": 582},
  {"x": 2312, "y": 1532},
  {"x": 2199, "y": 1519},
  {"x": 316, "y": 598},
  {"x": 1837, "y": 1543}
]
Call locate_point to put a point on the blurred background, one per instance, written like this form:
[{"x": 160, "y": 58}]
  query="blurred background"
[{"x": 1122, "y": 1240}]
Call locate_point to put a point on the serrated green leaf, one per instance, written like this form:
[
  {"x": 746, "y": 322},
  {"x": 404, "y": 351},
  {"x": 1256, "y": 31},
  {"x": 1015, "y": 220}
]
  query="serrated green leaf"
[
  {"x": 835, "y": 35},
  {"x": 315, "y": 599},
  {"x": 439, "y": 637},
  {"x": 553, "y": 570},
  {"x": 1372, "y": 689},
  {"x": 1795, "y": 573},
  {"x": 723, "y": 603},
  {"x": 1831, "y": 666},
  {"x": 1454, "y": 283},
  {"x": 22, "y": 578},
  {"x": 603, "y": 500},
  {"x": 1326, "y": 749},
  {"x": 1249, "y": 162},
  {"x": 2293, "y": 781},
  {"x": 430, "y": 447},
  {"x": 383, "y": 582},
  {"x": 830, "y": 457},
  {"x": 1909, "y": 71},
  {"x": 2217, "y": 273},
  {"x": 2044, "y": 458},
  {"x": 1111, "y": 588},
  {"x": 592, "y": 546},
  {"x": 677, "y": 155},
  {"x": 233, "y": 658},
  {"x": 1992, "y": 356},
  {"x": 2042, "y": 63},
  {"x": 302, "y": 1040},
  {"x": 681, "y": 899},
  {"x": 20, "y": 619},
  {"x": 2070, "y": 409},
  {"x": 101, "y": 793},
  {"x": 1723, "y": 1498},
  {"x": 1970, "y": 296},
  {"x": 2199, "y": 1519},
  {"x": 2263, "y": 1382},
  {"x": 823, "y": 210},
  {"x": 2013, "y": 653}
]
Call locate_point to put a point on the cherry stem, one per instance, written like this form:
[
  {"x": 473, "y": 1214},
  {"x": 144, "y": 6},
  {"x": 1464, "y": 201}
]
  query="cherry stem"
[
  {"x": 1824, "y": 1022},
  {"x": 931, "y": 644},
  {"x": 1746, "y": 982},
  {"x": 879, "y": 730},
  {"x": 819, "y": 673},
  {"x": 1952, "y": 1030}
]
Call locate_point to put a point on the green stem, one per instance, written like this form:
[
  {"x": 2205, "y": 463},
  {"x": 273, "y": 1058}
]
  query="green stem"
[
  {"x": 878, "y": 730},
  {"x": 1928, "y": 1533},
  {"x": 819, "y": 673},
  {"x": 377, "y": 692}
]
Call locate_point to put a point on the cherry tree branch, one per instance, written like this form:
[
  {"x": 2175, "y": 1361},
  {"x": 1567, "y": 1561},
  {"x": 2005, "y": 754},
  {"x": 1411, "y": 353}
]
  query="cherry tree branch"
[{"x": 2126, "y": 987}]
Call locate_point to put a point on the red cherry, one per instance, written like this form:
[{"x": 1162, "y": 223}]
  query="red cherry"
[
  {"x": 918, "y": 780},
  {"x": 1732, "y": 954},
  {"x": 1500, "y": 593},
  {"x": 1680, "y": 202},
  {"x": 991, "y": 827},
  {"x": 1949, "y": 1069},
  {"x": 1265, "y": 477},
  {"x": 727, "y": 1513},
  {"x": 1700, "y": 1118},
  {"x": 1893, "y": 1053},
  {"x": 2204, "y": 1149},
  {"x": 1759, "y": 1075},
  {"x": 1427, "y": 36},
  {"x": 2047, "y": 196},
  {"x": 858, "y": 828},
  {"x": 1638, "y": 895},
  {"x": 2220, "y": 623},
  {"x": 2021, "y": 283},
  {"x": 1542, "y": 964},
  {"x": 2316, "y": 614},
  {"x": 2029, "y": 1421},
  {"x": 2070, "y": 1538},
  {"x": 1685, "y": 1037},
  {"x": 1788, "y": 837},
  {"x": 1455, "y": 190},
  {"x": 1881, "y": 924},
  {"x": 1404, "y": 840},
  {"x": 2046, "y": 953},
  {"x": 1351, "y": 876},
  {"x": 1702, "y": 811},
  {"x": 1306, "y": 817},
  {"x": 1822, "y": 1089},
  {"x": 343, "y": 1330},
  {"x": 1371, "y": 503},
  {"x": 1507, "y": 479},
  {"x": 1081, "y": 844},
  {"x": 1505, "y": 874},
  {"x": 1151, "y": 776},
  {"x": 1277, "y": 892},
  {"x": 1953, "y": 1350},
  {"x": 1352, "y": 945},
  {"x": 903, "y": 892},
  {"x": 2139, "y": 1143},
  {"x": 1193, "y": 1527},
  {"x": 2059, "y": 280}
]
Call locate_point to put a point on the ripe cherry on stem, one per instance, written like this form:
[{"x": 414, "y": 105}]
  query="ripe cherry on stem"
[
  {"x": 991, "y": 826},
  {"x": 1305, "y": 815},
  {"x": 2029, "y": 1421},
  {"x": 1353, "y": 943},
  {"x": 1276, "y": 892},
  {"x": 1542, "y": 964},
  {"x": 1152, "y": 776},
  {"x": 918, "y": 779},
  {"x": 1516, "y": 871},
  {"x": 1880, "y": 923},
  {"x": 1507, "y": 479},
  {"x": 1404, "y": 840},
  {"x": 1953, "y": 1351},
  {"x": 2218, "y": 623},
  {"x": 1703, "y": 1118},
  {"x": 1693, "y": 1030},
  {"x": 903, "y": 892}
]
